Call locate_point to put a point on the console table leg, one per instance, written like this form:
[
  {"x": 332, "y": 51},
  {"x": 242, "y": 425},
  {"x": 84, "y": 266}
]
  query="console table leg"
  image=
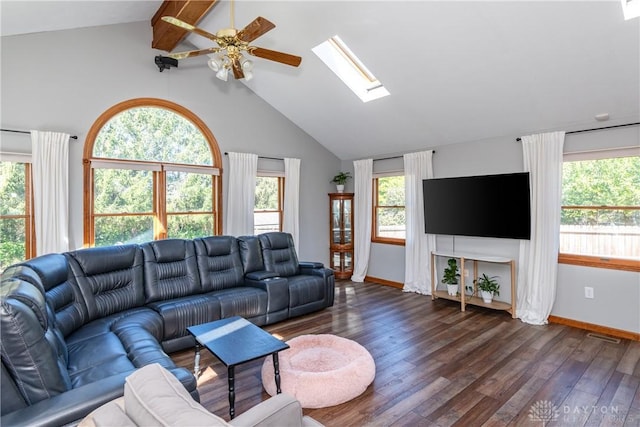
[
  {"x": 196, "y": 363},
  {"x": 232, "y": 392},
  {"x": 276, "y": 370}
]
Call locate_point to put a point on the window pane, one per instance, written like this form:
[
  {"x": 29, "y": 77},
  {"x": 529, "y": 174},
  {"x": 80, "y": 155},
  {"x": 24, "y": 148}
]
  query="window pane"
[
  {"x": 12, "y": 243},
  {"x": 264, "y": 222},
  {"x": 188, "y": 192},
  {"x": 391, "y": 223},
  {"x": 189, "y": 226},
  {"x": 266, "y": 193},
  {"x": 601, "y": 232},
  {"x": 12, "y": 188},
  {"x": 391, "y": 191},
  {"x": 120, "y": 230},
  {"x": 152, "y": 133},
  {"x": 609, "y": 225},
  {"x": 122, "y": 191}
]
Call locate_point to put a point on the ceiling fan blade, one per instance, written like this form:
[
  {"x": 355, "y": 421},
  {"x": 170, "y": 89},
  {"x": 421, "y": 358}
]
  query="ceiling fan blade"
[
  {"x": 191, "y": 53},
  {"x": 273, "y": 55},
  {"x": 255, "y": 29},
  {"x": 237, "y": 69},
  {"x": 185, "y": 25}
]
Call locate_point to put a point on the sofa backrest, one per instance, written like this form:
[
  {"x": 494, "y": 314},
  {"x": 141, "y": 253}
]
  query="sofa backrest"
[
  {"x": 29, "y": 349},
  {"x": 170, "y": 269},
  {"x": 219, "y": 264},
  {"x": 279, "y": 253},
  {"x": 250, "y": 254},
  {"x": 51, "y": 273},
  {"x": 109, "y": 278}
]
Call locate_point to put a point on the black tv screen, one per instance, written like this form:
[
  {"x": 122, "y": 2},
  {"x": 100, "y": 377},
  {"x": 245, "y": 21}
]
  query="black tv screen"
[{"x": 485, "y": 206}]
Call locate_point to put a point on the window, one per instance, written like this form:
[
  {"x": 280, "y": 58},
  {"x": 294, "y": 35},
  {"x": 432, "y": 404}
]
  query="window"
[
  {"x": 600, "y": 222},
  {"x": 267, "y": 215},
  {"x": 151, "y": 172},
  {"x": 389, "y": 223},
  {"x": 345, "y": 64},
  {"x": 17, "y": 238}
]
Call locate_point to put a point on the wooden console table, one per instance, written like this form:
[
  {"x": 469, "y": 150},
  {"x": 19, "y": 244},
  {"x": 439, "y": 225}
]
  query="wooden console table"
[{"x": 464, "y": 299}]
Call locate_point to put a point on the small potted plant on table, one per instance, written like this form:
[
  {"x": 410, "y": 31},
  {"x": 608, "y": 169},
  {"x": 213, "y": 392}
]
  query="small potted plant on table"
[
  {"x": 488, "y": 287},
  {"x": 340, "y": 180},
  {"x": 450, "y": 277}
]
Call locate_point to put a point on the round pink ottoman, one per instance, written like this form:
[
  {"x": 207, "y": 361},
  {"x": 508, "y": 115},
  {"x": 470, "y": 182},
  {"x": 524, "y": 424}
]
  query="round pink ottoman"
[{"x": 321, "y": 370}]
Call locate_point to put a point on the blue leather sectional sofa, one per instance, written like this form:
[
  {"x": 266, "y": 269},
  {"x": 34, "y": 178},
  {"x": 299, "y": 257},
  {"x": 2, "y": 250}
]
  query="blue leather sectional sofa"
[{"x": 74, "y": 325}]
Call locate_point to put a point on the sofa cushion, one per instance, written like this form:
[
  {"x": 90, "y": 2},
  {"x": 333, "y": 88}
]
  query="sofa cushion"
[
  {"x": 251, "y": 254},
  {"x": 116, "y": 344},
  {"x": 153, "y": 396},
  {"x": 109, "y": 278},
  {"x": 279, "y": 253},
  {"x": 179, "y": 313},
  {"x": 170, "y": 269},
  {"x": 51, "y": 273},
  {"x": 26, "y": 352},
  {"x": 219, "y": 264},
  {"x": 247, "y": 302}
]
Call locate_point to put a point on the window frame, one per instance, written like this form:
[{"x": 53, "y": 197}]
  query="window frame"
[
  {"x": 28, "y": 216},
  {"x": 280, "y": 210},
  {"x": 612, "y": 263},
  {"x": 159, "y": 210},
  {"x": 374, "y": 220}
]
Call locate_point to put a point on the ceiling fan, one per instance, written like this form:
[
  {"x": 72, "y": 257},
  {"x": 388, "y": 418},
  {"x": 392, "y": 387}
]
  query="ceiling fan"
[{"x": 232, "y": 43}]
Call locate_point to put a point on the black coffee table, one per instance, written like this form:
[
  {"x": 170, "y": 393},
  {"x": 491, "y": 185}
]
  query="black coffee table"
[{"x": 233, "y": 341}]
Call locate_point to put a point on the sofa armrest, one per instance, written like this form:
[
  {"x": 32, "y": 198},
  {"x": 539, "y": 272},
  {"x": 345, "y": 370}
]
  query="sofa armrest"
[
  {"x": 261, "y": 275},
  {"x": 68, "y": 407},
  {"x": 280, "y": 410},
  {"x": 277, "y": 290},
  {"x": 310, "y": 265}
]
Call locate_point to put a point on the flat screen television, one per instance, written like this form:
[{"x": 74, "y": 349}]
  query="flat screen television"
[{"x": 484, "y": 206}]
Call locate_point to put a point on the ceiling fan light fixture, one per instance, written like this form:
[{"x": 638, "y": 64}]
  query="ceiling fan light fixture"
[
  {"x": 223, "y": 74},
  {"x": 247, "y": 65},
  {"x": 215, "y": 64}
]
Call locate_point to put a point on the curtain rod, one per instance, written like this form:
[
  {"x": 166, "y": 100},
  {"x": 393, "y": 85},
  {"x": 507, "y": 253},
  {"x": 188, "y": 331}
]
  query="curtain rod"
[
  {"x": 261, "y": 157},
  {"x": 27, "y": 132},
  {"x": 589, "y": 130},
  {"x": 395, "y": 157}
]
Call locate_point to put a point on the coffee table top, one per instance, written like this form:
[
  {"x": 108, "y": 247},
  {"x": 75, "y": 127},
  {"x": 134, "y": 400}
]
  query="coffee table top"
[{"x": 235, "y": 340}]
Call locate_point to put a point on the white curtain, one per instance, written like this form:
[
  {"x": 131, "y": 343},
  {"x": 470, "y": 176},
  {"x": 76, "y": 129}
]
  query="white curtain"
[
  {"x": 362, "y": 206},
  {"x": 418, "y": 245},
  {"x": 291, "y": 214},
  {"x": 538, "y": 264},
  {"x": 243, "y": 170},
  {"x": 50, "y": 157}
]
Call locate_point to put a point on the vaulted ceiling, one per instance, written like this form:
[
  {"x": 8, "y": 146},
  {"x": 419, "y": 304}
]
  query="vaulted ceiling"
[{"x": 457, "y": 71}]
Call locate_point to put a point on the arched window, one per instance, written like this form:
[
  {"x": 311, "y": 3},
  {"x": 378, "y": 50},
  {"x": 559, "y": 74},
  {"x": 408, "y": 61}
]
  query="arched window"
[{"x": 151, "y": 171}]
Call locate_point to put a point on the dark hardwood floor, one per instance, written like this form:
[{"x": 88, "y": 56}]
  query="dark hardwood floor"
[{"x": 437, "y": 366}]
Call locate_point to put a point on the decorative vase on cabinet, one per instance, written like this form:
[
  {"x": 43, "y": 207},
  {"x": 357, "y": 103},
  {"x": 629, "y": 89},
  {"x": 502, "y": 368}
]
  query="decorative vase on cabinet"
[{"x": 341, "y": 234}]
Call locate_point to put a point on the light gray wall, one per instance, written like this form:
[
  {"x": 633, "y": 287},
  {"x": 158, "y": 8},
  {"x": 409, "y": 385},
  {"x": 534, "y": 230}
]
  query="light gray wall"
[
  {"x": 617, "y": 293},
  {"x": 63, "y": 80}
]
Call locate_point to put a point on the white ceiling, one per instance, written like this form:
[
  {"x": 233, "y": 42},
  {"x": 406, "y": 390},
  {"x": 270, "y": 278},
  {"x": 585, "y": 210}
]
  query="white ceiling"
[{"x": 457, "y": 71}]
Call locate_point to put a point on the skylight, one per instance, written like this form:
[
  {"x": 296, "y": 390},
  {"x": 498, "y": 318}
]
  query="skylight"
[
  {"x": 346, "y": 65},
  {"x": 631, "y": 8}
]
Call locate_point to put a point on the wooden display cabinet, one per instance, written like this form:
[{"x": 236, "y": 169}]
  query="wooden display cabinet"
[{"x": 341, "y": 234}]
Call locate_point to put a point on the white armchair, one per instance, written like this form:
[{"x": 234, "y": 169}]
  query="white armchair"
[{"x": 153, "y": 396}]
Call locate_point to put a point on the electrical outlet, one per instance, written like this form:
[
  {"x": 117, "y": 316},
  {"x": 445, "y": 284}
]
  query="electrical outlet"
[
  {"x": 466, "y": 273},
  {"x": 588, "y": 292}
]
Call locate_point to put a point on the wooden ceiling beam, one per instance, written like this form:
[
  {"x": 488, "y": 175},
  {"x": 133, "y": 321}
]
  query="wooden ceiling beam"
[{"x": 166, "y": 36}]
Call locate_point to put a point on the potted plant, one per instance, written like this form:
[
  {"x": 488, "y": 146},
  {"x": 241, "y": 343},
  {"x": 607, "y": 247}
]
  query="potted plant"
[
  {"x": 488, "y": 287},
  {"x": 340, "y": 179},
  {"x": 450, "y": 277}
]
